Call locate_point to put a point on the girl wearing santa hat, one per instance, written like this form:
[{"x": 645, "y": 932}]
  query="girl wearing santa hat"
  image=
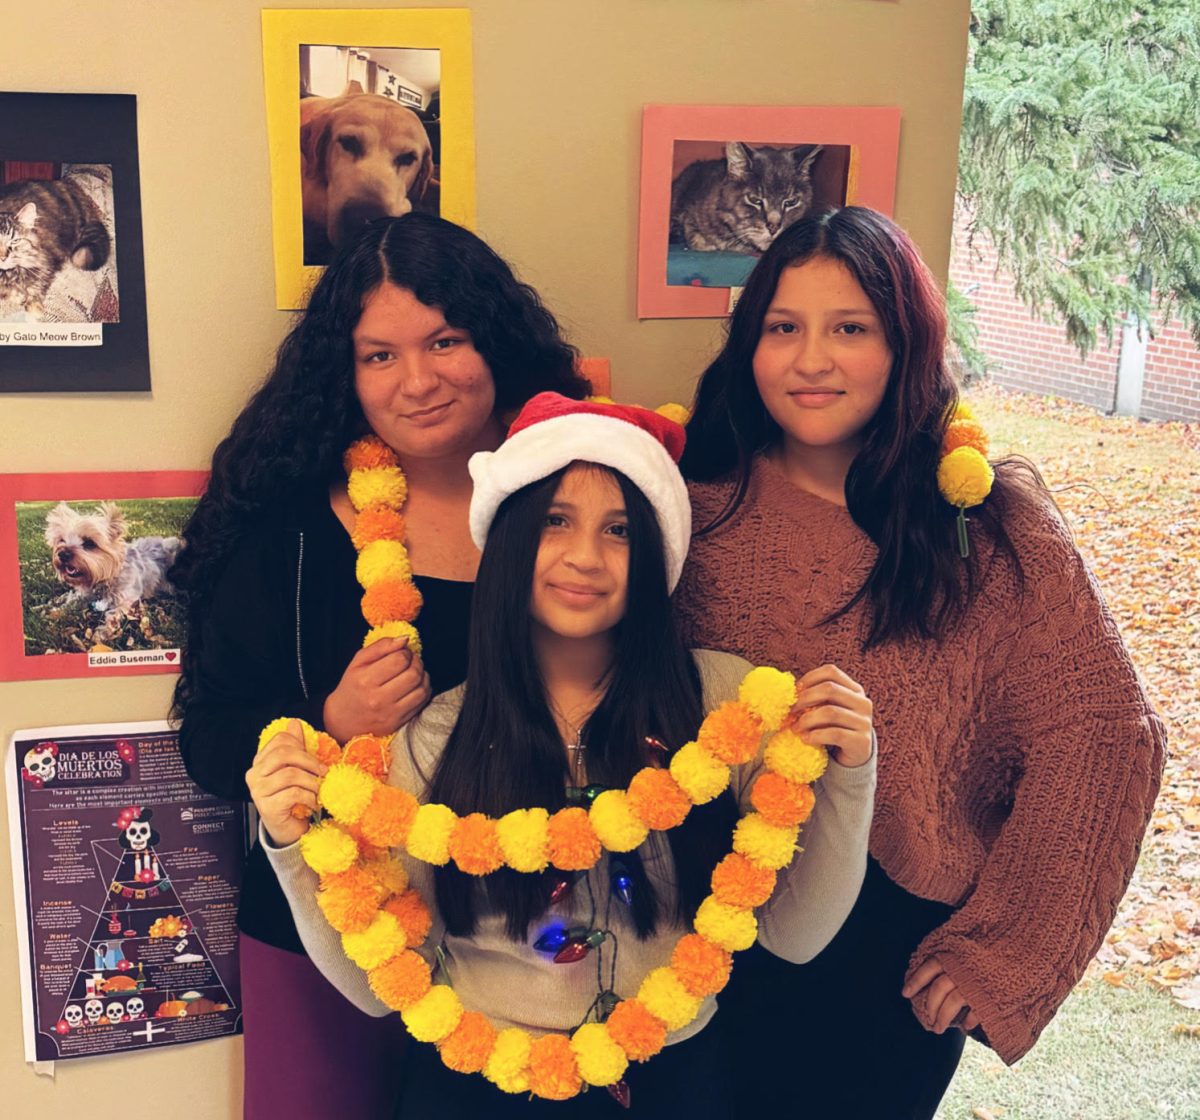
[{"x": 576, "y": 681}]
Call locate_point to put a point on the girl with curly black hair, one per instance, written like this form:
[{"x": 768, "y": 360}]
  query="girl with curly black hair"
[{"x": 419, "y": 333}]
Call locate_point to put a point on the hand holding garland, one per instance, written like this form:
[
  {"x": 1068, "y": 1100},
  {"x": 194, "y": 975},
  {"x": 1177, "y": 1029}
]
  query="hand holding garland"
[
  {"x": 383, "y": 687},
  {"x": 285, "y": 775},
  {"x": 834, "y": 710}
]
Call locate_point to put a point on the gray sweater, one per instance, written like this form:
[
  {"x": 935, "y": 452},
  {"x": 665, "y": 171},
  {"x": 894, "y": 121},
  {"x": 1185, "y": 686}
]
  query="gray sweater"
[{"x": 513, "y": 984}]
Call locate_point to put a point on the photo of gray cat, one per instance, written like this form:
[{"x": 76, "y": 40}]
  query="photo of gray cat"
[
  {"x": 57, "y": 244},
  {"x": 730, "y": 200},
  {"x": 741, "y": 202}
]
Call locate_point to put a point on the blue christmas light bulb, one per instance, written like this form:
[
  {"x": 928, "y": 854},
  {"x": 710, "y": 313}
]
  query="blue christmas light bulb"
[{"x": 621, "y": 882}]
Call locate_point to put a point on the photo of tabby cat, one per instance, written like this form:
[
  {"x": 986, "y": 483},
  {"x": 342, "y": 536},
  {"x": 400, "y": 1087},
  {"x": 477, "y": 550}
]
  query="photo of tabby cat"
[
  {"x": 55, "y": 243},
  {"x": 740, "y": 203}
]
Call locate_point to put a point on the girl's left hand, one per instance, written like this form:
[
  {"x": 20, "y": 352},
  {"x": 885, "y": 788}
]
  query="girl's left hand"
[
  {"x": 944, "y": 1005},
  {"x": 833, "y": 710}
]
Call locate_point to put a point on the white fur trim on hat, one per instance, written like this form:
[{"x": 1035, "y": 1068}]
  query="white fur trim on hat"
[{"x": 544, "y": 447}]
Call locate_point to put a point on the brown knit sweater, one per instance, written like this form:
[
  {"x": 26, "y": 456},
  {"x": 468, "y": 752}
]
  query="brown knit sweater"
[{"x": 1018, "y": 759}]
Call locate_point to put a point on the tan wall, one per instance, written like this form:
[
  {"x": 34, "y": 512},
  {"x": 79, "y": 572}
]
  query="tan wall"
[{"x": 559, "y": 90}]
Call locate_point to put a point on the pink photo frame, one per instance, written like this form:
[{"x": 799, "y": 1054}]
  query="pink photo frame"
[
  {"x": 40, "y": 638},
  {"x": 868, "y": 139}
]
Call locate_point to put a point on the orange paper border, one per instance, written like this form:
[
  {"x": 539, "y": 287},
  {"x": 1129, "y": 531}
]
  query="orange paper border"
[
  {"x": 873, "y": 135},
  {"x": 100, "y": 486}
]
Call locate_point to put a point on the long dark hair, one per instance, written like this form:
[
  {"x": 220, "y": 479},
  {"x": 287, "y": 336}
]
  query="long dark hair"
[
  {"x": 294, "y": 429},
  {"x": 918, "y": 584},
  {"x": 505, "y": 752}
]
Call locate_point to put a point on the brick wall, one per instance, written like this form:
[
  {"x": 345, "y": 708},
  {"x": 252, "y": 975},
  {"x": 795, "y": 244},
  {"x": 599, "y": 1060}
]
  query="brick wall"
[{"x": 1035, "y": 357}]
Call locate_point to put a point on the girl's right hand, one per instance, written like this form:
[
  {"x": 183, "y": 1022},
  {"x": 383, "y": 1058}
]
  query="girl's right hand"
[
  {"x": 284, "y": 774},
  {"x": 383, "y": 687}
]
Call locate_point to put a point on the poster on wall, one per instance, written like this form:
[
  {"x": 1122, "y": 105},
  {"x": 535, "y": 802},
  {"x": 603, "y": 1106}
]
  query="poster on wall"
[
  {"x": 369, "y": 115},
  {"x": 719, "y": 183},
  {"x": 85, "y": 572},
  {"x": 126, "y": 878},
  {"x": 72, "y": 283}
]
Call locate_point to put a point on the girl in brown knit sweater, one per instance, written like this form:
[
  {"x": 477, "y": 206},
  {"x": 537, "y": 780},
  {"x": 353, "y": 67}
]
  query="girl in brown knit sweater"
[{"x": 1018, "y": 755}]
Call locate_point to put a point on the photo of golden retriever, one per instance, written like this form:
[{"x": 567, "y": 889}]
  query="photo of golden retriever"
[{"x": 363, "y": 156}]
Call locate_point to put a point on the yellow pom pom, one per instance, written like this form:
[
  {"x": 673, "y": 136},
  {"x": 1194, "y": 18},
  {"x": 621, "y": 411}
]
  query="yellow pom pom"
[
  {"x": 429, "y": 837},
  {"x": 731, "y": 927},
  {"x": 380, "y": 941},
  {"x": 396, "y": 629},
  {"x": 389, "y": 873},
  {"x": 698, "y": 774},
  {"x": 524, "y": 839},
  {"x": 278, "y": 726},
  {"x": 434, "y": 1015},
  {"x": 663, "y": 995},
  {"x": 963, "y": 411},
  {"x": 382, "y": 560},
  {"x": 769, "y": 694},
  {"x": 788, "y": 754},
  {"x": 346, "y": 792},
  {"x": 508, "y": 1066},
  {"x": 327, "y": 849},
  {"x": 598, "y": 399},
  {"x": 601, "y": 1061},
  {"x": 676, "y": 412},
  {"x": 377, "y": 486},
  {"x": 965, "y": 477},
  {"x": 763, "y": 844},
  {"x": 619, "y": 828}
]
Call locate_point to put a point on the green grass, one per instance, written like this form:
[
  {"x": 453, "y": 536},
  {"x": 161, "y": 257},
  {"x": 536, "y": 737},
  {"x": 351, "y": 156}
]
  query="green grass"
[
  {"x": 1109, "y": 1054},
  {"x": 56, "y": 622}
]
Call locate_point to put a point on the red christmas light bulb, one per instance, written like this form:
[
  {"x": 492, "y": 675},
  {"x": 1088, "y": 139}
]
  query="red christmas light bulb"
[
  {"x": 574, "y": 950},
  {"x": 619, "y": 1091}
]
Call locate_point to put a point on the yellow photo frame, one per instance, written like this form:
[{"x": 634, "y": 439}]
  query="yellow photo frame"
[{"x": 298, "y": 203}]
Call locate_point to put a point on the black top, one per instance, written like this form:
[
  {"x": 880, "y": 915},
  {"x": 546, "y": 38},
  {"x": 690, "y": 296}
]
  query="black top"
[{"x": 284, "y": 622}]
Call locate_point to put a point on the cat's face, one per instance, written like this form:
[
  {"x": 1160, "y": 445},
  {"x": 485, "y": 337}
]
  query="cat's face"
[
  {"x": 770, "y": 188},
  {"x": 18, "y": 245}
]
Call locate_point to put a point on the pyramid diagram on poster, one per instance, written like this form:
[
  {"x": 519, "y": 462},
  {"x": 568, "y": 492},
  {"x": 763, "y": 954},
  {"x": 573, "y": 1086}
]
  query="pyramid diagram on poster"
[{"x": 146, "y": 961}]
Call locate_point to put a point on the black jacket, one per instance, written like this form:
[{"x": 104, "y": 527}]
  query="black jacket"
[{"x": 284, "y": 622}]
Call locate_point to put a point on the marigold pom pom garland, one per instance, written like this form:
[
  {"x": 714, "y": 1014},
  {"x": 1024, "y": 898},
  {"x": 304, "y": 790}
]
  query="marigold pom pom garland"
[
  {"x": 964, "y": 475},
  {"x": 366, "y": 898}
]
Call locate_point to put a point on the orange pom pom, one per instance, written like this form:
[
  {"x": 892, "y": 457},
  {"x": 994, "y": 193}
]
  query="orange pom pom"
[
  {"x": 552, "y": 1071},
  {"x": 965, "y": 433},
  {"x": 328, "y": 752},
  {"x": 657, "y": 799},
  {"x": 637, "y": 1032},
  {"x": 386, "y": 820},
  {"x": 301, "y": 812},
  {"x": 410, "y": 911},
  {"x": 782, "y": 803},
  {"x": 366, "y": 850},
  {"x": 391, "y": 600},
  {"x": 467, "y": 1048},
  {"x": 378, "y": 523},
  {"x": 702, "y": 967},
  {"x": 349, "y": 900},
  {"x": 475, "y": 846},
  {"x": 401, "y": 981},
  {"x": 731, "y": 733},
  {"x": 738, "y": 882},
  {"x": 369, "y": 753},
  {"x": 573, "y": 843},
  {"x": 368, "y": 452}
]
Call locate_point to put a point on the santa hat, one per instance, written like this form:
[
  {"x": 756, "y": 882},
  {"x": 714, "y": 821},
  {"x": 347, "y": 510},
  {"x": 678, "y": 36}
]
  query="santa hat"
[{"x": 553, "y": 431}]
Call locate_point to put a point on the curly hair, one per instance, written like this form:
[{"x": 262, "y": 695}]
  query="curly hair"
[
  {"x": 917, "y": 585},
  {"x": 294, "y": 429}
]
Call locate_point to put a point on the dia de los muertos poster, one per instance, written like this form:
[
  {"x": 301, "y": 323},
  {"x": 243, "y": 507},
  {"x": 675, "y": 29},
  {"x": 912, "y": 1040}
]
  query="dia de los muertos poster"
[{"x": 126, "y": 878}]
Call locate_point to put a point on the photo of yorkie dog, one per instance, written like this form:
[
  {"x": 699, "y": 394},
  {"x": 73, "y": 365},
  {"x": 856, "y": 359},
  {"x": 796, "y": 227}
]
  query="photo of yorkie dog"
[{"x": 93, "y": 558}]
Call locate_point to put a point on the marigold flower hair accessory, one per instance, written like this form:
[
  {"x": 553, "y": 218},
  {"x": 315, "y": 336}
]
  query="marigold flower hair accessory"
[{"x": 964, "y": 474}]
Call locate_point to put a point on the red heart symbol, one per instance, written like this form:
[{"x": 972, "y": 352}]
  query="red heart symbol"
[{"x": 171, "y": 655}]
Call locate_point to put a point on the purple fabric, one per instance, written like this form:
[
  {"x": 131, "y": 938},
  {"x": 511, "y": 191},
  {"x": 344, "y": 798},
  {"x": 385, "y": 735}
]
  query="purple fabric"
[{"x": 310, "y": 1053}]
